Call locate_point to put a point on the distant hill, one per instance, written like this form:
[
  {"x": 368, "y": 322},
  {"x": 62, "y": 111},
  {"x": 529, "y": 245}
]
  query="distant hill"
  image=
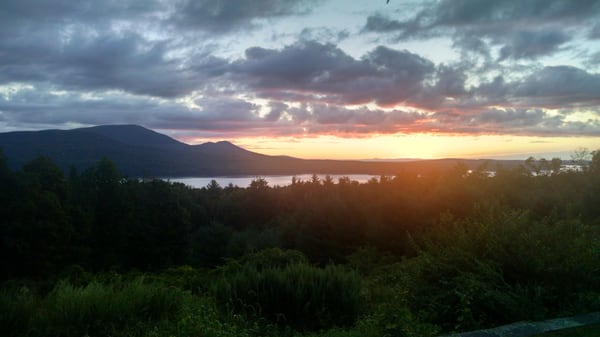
[{"x": 141, "y": 152}]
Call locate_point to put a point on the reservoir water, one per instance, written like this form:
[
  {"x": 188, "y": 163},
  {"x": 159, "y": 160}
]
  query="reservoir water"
[{"x": 198, "y": 182}]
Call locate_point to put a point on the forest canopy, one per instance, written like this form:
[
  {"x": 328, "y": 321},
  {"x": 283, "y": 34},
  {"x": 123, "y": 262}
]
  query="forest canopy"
[{"x": 410, "y": 255}]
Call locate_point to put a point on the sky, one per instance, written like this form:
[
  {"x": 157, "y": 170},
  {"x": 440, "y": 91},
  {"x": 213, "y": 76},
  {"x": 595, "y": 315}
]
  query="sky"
[{"x": 335, "y": 79}]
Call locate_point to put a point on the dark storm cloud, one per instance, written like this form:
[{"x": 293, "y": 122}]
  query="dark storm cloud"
[
  {"x": 109, "y": 45},
  {"x": 150, "y": 62},
  {"x": 465, "y": 12},
  {"x": 470, "y": 43},
  {"x": 523, "y": 29},
  {"x": 86, "y": 61},
  {"x": 530, "y": 44},
  {"x": 43, "y": 105},
  {"x": 559, "y": 86},
  {"x": 232, "y": 15},
  {"x": 318, "y": 118},
  {"x": 204, "y": 15},
  {"x": 311, "y": 69},
  {"x": 21, "y": 15},
  {"x": 510, "y": 117},
  {"x": 515, "y": 121},
  {"x": 494, "y": 120},
  {"x": 382, "y": 24},
  {"x": 39, "y": 106}
]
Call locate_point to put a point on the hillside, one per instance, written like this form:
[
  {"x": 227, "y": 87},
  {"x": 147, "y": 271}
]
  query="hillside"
[{"x": 138, "y": 151}]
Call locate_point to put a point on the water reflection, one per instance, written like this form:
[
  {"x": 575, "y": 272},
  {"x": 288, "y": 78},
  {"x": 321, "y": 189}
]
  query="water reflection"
[{"x": 199, "y": 182}]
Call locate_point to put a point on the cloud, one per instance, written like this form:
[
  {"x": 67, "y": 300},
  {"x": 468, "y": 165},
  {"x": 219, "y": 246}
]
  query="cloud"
[
  {"x": 43, "y": 105},
  {"x": 382, "y": 24},
  {"x": 310, "y": 71},
  {"x": 175, "y": 66},
  {"x": 90, "y": 61},
  {"x": 323, "y": 34},
  {"x": 514, "y": 121},
  {"x": 531, "y": 44},
  {"x": 136, "y": 46},
  {"x": 522, "y": 29},
  {"x": 559, "y": 86},
  {"x": 19, "y": 15},
  {"x": 226, "y": 16},
  {"x": 465, "y": 12},
  {"x": 595, "y": 32}
]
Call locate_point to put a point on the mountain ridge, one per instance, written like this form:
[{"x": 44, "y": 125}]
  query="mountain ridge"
[{"x": 141, "y": 152}]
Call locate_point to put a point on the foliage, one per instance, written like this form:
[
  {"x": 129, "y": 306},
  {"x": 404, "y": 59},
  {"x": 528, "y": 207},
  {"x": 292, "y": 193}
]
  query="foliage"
[
  {"x": 288, "y": 291},
  {"x": 504, "y": 267},
  {"x": 17, "y": 307},
  {"x": 100, "y": 309},
  {"x": 410, "y": 255}
]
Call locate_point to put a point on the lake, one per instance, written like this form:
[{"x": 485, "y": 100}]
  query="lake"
[{"x": 199, "y": 182}]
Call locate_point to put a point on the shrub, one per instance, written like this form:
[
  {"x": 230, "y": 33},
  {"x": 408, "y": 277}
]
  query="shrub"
[
  {"x": 195, "y": 280},
  {"x": 16, "y": 309},
  {"x": 100, "y": 309},
  {"x": 288, "y": 291},
  {"x": 501, "y": 267}
]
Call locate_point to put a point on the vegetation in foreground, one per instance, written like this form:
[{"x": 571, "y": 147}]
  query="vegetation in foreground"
[{"x": 97, "y": 254}]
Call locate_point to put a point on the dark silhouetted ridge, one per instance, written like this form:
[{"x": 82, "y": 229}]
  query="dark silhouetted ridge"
[
  {"x": 134, "y": 135},
  {"x": 140, "y": 152}
]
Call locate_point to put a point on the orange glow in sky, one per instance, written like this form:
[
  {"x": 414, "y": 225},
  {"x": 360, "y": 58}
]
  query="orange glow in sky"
[{"x": 423, "y": 146}]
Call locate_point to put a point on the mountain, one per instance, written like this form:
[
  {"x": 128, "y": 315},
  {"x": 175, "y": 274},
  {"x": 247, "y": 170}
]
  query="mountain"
[
  {"x": 134, "y": 135},
  {"x": 141, "y": 152}
]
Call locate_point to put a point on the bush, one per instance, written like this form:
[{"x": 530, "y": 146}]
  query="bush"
[
  {"x": 194, "y": 280},
  {"x": 99, "y": 309},
  {"x": 16, "y": 310},
  {"x": 288, "y": 291},
  {"x": 501, "y": 267}
]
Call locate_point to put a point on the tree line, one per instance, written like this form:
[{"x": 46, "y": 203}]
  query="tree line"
[{"x": 444, "y": 251}]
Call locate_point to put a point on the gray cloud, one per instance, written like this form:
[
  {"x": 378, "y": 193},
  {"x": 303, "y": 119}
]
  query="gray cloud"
[
  {"x": 380, "y": 23},
  {"x": 323, "y": 34},
  {"x": 310, "y": 69},
  {"x": 559, "y": 86},
  {"x": 148, "y": 62},
  {"x": 523, "y": 29},
  {"x": 465, "y": 12},
  {"x": 39, "y": 105},
  {"x": 532, "y": 122},
  {"x": 595, "y": 32},
  {"x": 529, "y": 44},
  {"x": 129, "y": 45},
  {"x": 127, "y": 62},
  {"x": 231, "y": 15}
]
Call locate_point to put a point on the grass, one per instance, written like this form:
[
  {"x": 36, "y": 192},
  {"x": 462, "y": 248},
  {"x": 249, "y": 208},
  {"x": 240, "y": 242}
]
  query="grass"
[
  {"x": 583, "y": 331},
  {"x": 298, "y": 295}
]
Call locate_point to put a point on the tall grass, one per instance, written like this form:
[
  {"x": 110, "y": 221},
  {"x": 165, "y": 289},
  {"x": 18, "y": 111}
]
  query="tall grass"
[
  {"x": 101, "y": 309},
  {"x": 295, "y": 294},
  {"x": 16, "y": 310}
]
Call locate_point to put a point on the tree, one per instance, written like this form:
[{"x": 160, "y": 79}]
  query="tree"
[
  {"x": 581, "y": 157},
  {"x": 595, "y": 163},
  {"x": 102, "y": 195},
  {"x": 38, "y": 231},
  {"x": 532, "y": 166},
  {"x": 555, "y": 165}
]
